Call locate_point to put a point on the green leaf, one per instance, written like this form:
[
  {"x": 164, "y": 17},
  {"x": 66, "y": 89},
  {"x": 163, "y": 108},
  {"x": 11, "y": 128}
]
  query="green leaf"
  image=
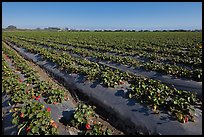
[
  {"x": 35, "y": 129},
  {"x": 15, "y": 120},
  {"x": 31, "y": 115},
  {"x": 143, "y": 86},
  {"x": 130, "y": 95},
  {"x": 44, "y": 122},
  {"x": 80, "y": 120},
  {"x": 39, "y": 115},
  {"x": 43, "y": 128}
]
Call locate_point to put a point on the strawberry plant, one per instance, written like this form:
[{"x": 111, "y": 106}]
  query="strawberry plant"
[
  {"x": 20, "y": 94},
  {"x": 82, "y": 115},
  {"x": 158, "y": 96},
  {"x": 55, "y": 95},
  {"x": 40, "y": 87},
  {"x": 111, "y": 78},
  {"x": 84, "y": 119},
  {"x": 35, "y": 119},
  {"x": 9, "y": 83}
]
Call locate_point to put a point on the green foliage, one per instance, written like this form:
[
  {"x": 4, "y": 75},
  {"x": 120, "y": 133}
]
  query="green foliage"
[
  {"x": 36, "y": 117},
  {"x": 179, "y": 51},
  {"x": 84, "y": 119}
]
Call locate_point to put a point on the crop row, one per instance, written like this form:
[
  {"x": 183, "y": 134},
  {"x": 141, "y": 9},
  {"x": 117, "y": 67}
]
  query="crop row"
[
  {"x": 193, "y": 61},
  {"x": 151, "y": 51},
  {"x": 40, "y": 87},
  {"x": 192, "y": 58},
  {"x": 33, "y": 114},
  {"x": 151, "y": 92},
  {"x": 176, "y": 41},
  {"x": 175, "y": 70}
]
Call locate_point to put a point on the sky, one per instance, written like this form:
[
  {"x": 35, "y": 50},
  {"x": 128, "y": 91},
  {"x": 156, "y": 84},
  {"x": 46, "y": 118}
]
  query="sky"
[{"x": 103, "y": 15}]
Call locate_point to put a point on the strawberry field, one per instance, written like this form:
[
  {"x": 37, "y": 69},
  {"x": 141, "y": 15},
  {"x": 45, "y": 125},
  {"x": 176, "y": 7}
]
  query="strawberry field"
[{"x": 114, "y": 75}]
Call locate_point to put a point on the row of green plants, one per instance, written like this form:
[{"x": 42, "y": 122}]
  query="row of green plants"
[
  {"x": 193, "y": 61},
  {"x": 146, "y": 51},
  {"x": 85, "y": 119},
  {"x": 163, "y": 42},
  {"x": 30, "y": 116},
  {"x": 175, "y": 70},
  {"x": 86, "y": 53},
  {"x": 179, "y": 103},
  {"x": 141, "y": 47},
  {"x": 33, "y": 118},
  {"x": 117, "y": 77},
  {"x": 89, "y": 69},
  {"x": 41, "y": 88}
]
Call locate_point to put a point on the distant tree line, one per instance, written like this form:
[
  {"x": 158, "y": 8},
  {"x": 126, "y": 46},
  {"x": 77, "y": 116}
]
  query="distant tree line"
[
  {"x": 179, "y": 30},
  {"x": 119, "y": 30},
  {"x": 12, "y": 27}
]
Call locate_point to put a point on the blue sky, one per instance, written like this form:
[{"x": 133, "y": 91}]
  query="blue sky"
[{"x": 103, "y": 15}]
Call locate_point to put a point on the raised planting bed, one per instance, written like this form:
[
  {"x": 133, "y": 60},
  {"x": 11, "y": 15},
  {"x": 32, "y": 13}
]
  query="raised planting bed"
[
  {"x": 129, "y": 115},
  {"x": 26, "y": 106},
  {"x": 179, "y": 83}
]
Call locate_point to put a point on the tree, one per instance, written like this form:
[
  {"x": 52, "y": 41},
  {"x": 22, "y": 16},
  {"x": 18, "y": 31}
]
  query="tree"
[{"x": 11, "y": 27}]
